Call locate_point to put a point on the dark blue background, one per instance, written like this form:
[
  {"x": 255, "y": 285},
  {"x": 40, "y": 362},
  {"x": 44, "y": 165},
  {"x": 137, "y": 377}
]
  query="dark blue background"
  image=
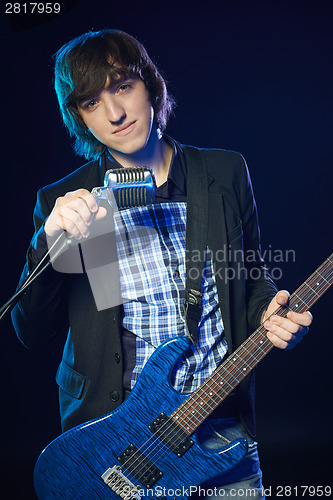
[{"x": 252, "y": 76}]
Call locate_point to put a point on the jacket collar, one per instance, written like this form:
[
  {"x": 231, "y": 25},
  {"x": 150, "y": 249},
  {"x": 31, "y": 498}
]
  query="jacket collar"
[{"x": 106, "y": 162}]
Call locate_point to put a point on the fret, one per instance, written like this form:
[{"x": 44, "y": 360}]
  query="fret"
[
  {"x": 220, "y": 384},
  {"x": 233, "y": 376},
  {"x": 227, "y": 376},
  {"x": 296, "y": 305},
  {"x": 242, "y": 360},
  {"x": 314, "y": 291},
  {"x": 216, "y": 386},
  {"x": 323, "y": 277},
  {"x": 255, "y": 359},
  {"x": 257, "y": 345}
]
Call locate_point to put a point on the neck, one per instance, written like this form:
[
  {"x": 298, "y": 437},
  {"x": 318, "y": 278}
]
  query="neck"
[{"x": 156, "y": 155}]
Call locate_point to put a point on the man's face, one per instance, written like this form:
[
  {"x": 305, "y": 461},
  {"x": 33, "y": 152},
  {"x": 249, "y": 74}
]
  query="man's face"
[{"x": 120, "y": 116}]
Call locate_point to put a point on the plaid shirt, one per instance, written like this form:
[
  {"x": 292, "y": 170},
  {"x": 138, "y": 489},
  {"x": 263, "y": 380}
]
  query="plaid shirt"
[{"x": 151, "y": 255}]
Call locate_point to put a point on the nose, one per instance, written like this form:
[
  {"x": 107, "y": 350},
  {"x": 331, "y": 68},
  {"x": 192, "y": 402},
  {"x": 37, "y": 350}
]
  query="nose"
[{"x": 114, "y": 110}]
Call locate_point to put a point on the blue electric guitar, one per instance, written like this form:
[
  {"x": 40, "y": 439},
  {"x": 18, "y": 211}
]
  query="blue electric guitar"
[{"x": 147, "y": 448}]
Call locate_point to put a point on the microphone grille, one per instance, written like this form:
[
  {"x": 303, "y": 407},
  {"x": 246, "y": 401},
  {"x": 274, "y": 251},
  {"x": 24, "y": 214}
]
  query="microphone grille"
[
  {"x": 132, "y": 187},
  {"x": 129, "y": 197},
  {"x": 130, "y": 175}
]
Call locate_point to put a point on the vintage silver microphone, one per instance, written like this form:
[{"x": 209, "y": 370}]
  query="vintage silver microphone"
[
  {"x": 123, "y": 188},
  {"x": 131, "y": 187}
]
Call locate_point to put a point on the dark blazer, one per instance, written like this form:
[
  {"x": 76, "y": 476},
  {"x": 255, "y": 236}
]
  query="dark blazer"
[{"x": 90, "y": 374}]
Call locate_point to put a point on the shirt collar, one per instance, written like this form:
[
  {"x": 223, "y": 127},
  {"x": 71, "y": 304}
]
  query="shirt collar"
[{"x": 176, "y": 172}]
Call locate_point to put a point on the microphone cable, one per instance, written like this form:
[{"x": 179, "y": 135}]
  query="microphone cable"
[{"x": 123, "y": 188}]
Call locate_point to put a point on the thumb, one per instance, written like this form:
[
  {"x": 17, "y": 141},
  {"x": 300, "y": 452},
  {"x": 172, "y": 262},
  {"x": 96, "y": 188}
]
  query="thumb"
[
  {"x": 282, "y": 297},
  {"x": 101, "y": 212}
]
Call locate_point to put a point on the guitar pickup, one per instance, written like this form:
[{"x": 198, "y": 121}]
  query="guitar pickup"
[
  {"x": 140, "y": 466},
  {"x": 171, "y": 434}
]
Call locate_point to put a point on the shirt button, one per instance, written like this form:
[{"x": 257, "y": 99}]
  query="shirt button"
[
  {"x": 114, "y": 396},
  {"x": 176, "y": 273},
  {"x": 117, "y": 357}
]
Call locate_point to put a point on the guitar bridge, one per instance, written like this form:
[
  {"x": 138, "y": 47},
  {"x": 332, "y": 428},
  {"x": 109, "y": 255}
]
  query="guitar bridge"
[{"x": 120, "y": 484}]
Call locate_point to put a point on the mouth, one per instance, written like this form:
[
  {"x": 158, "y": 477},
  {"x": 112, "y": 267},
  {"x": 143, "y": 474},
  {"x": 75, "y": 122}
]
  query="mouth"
[{"x": 124, "y": 129}]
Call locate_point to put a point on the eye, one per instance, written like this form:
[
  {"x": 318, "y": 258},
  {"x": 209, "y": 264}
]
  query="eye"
[
  {"x": 90, "y": 104},
  {"x": 123, "y": 87}
]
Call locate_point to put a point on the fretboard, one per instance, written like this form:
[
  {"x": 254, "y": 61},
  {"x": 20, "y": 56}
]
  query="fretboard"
[{"x": 239, "y": 364}]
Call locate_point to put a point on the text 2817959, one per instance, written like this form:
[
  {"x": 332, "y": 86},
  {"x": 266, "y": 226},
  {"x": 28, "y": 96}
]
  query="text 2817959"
[{"x": 32, "y": 8}]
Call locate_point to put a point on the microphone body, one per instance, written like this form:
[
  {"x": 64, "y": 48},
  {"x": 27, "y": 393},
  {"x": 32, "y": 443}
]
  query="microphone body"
[
  {"x": 131, "y": 187},
  {"x": 123, "y": 188}
]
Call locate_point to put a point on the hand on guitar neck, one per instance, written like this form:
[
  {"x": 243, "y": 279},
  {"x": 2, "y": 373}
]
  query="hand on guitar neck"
[{"x": 285, "y": 332}]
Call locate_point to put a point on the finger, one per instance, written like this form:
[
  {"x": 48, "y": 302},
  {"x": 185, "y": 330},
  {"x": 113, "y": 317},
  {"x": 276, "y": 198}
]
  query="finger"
[
  {"x": 101, "y": 212},
  {"x": 87, "y": 197},
  {"x": 78, "y": 204},
  {"x": 286, "y": 335},
  {"x": 76, "y": 212},
  {"x": 58, "y": 223},
  {"x": 71, "y": 221},
  {"x": 277, "y": 341},
  {"x": 282, "y": 297},
  {"x": 304, "y": 319},
  {"x": 278, "y": 323}
]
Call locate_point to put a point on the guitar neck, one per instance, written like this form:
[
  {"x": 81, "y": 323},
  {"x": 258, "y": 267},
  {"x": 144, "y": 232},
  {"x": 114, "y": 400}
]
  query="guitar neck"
[{"x": 239, "y": 364}]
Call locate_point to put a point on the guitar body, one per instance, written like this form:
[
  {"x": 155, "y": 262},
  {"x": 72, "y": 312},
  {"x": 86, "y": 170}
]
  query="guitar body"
[{"x": 71, "y": 467}]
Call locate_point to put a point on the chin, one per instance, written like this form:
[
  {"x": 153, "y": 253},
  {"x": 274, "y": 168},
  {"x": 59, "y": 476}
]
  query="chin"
[{"x": 133, "y": 147}]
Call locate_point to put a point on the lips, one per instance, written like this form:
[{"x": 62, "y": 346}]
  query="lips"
[{"x": 124, "y": 129}]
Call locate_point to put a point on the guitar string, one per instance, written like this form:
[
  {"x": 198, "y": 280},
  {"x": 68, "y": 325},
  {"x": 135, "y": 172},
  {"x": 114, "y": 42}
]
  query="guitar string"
[
  {"x": 156, "y": 451},
  {"x": 307, "y": 294},
  {"x": 190, "y": 403},
  {"x": 314, "y": 280},
  {"x": 267, "y": 342},
  {"x": 151, "y": 442},
  {"x": 305, "y": 284},
  {"x": 243, "y": 360},
  {"x": 215, "y": 382},
  {"x": 133, "y": 470}
]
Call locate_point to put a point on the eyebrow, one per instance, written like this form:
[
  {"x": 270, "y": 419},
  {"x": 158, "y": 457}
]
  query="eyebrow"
[
  {"x": 89, "y": 97},
  {"x": 116, "y": 83}
]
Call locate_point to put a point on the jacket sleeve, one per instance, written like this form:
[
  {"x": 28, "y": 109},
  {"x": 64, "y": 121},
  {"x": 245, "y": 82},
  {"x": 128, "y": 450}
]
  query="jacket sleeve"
[
  {"x": 260, "y": 287},
  {"x": 42, "y": 311}
]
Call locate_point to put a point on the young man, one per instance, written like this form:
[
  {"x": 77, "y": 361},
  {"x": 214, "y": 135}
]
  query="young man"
[{"x": 115, "y": 103}]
